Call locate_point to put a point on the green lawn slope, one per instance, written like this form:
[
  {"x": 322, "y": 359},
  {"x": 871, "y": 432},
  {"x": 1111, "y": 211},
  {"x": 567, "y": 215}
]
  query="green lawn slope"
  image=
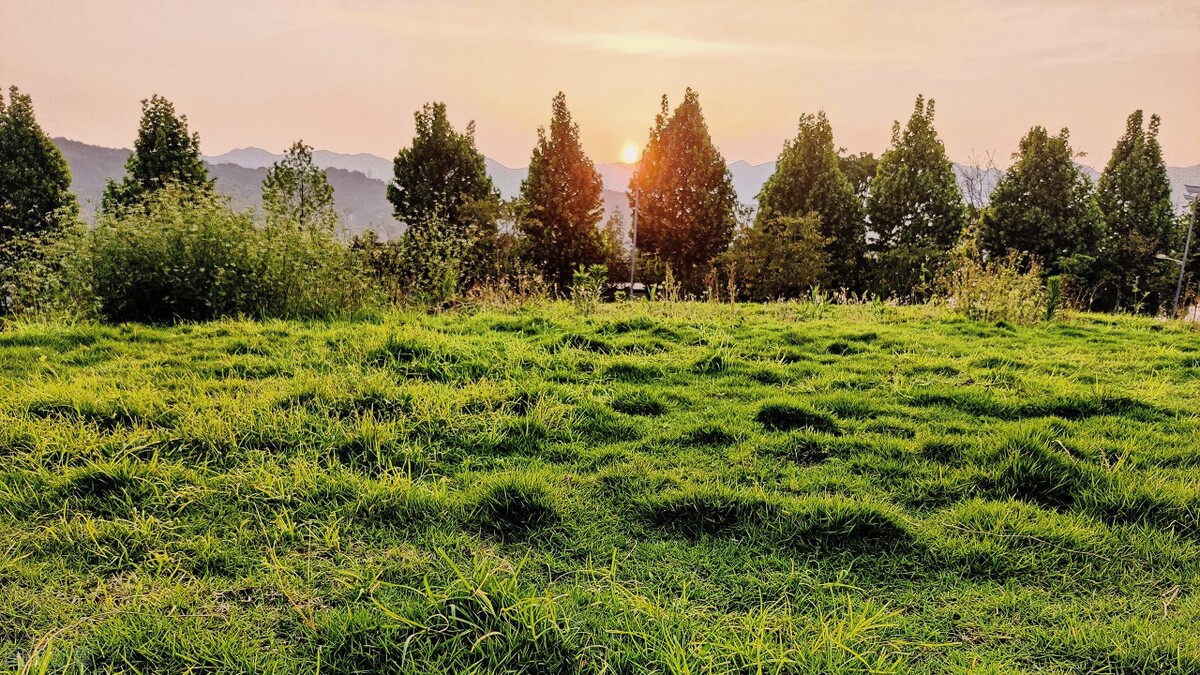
[{"x": 655, "y": 488}]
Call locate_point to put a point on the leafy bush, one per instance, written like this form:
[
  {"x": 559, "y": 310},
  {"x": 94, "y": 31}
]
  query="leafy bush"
[
  {"x": 1008, "y": 288},
  {"x": 185, "y": 255},
  {"x": 587, "y": 287}
]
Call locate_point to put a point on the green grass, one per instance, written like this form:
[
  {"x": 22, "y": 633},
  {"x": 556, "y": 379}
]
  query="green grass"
[{"x": 666, "y": 488}]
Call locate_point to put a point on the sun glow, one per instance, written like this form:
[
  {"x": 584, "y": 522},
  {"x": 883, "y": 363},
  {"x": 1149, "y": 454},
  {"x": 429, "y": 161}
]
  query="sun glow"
[{"x": 629, "y": 153}]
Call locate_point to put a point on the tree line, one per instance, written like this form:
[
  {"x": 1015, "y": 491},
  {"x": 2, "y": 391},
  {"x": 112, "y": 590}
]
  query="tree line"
[{"x": 825, "y": 219}]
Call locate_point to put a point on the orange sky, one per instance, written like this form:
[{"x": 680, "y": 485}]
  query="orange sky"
[{"x": 346, "y": 75}]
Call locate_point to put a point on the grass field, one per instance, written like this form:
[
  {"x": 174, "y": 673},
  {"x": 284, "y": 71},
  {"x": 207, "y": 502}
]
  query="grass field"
[{"x": 674, "y": 488}]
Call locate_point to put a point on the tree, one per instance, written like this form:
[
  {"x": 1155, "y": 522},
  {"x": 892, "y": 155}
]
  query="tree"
[
  {"x": 1045, "y": 206},
  {"x": 440, "y": 173},
  {"x": 164, "y": 153},
  {"x": 916, "y": 209},
  {"x": 562, "y": 196},
  {"x": 614, "y": 242},
  {"x": 1135, "y": 200},
  {"x": 687, "y": 209},
  {"x": 296, "y": 192},
  {"x": 808, "y": 179},
  {"x": 36, "y": 202},
  {"x": 780, "y": 257}
]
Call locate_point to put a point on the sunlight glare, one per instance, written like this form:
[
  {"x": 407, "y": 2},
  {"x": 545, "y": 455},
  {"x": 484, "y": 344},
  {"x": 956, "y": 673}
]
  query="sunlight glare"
[{"x": 629, "y": 153}]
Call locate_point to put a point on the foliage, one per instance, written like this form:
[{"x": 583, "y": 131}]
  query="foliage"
[
  {"x": 296, "y": 192},
  {"x": 1005, "y": 288},
  {"x": 184, "y": 255},
  {"x": 659, "y": 487},
  {"x": 562, "y": 193},
  {"x": 687, "y": 209},
  {"x": 783, "y": 257},
  {"x": 808, "y": 179},
  {"x": 1135, "y": 200},
  {"x": 424, "y": 266},
  {"x": 1044, "y": 207},
  {"x": 440, "y": 174},
  {"x": 36, "y": 202},
  {"x": 860, "y": 171},
  {"x": 164, "y": 153},
  {"x": 916, "y": 210},
  {"x": 615, "y": 245},
  {"x": 587, "y": 288}
]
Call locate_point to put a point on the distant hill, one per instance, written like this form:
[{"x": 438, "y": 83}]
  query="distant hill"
[
  {"x": 359, "y": 181},
  {"x": 361, "y": 201}
]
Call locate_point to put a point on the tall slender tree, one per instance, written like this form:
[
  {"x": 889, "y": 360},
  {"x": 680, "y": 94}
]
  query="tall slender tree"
[
  {"x": 808, "y": 179},
  {"x": 916, "y": 209},
  {"x": 1135, "y": 200},
  {"x": 1044, "y": 205},
  {"x": 562, "y": 195},
  {"x": 687, "y": 207},
  {"x": 440, "y": 173},
  {"x": 164, "y": 153},
  {"x": 296, "y": 192}
]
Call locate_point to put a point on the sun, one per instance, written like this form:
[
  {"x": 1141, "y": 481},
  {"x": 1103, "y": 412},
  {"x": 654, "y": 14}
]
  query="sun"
[{"x": 629, "y": 153}]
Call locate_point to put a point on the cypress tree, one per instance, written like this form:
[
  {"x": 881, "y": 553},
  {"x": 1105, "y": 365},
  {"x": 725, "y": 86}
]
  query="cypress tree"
[{"x": 562, "y": 194}]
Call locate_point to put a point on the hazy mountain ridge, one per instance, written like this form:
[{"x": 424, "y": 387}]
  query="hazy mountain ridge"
[{"x": 360, "y": 181}]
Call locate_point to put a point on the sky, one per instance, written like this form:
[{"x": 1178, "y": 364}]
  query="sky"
[{"x": 346, "y": 75}]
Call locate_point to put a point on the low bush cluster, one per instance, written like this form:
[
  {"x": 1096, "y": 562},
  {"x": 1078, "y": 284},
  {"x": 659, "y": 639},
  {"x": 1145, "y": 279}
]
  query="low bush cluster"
[{"x": 184, "y": 255}]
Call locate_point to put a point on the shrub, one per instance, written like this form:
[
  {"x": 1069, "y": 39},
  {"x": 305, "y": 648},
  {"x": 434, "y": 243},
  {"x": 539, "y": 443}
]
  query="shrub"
[
  {"x": 587, "y": 287},
  {"x": 185, "y": 255},
  {"x": 1009, "y": 288}
]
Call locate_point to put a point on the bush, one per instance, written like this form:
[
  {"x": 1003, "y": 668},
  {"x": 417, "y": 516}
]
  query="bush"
[
  {"x": 587, "y": 288},
  {"x": 185, "y": 255},
  {"x": 1009, "y": 288}
]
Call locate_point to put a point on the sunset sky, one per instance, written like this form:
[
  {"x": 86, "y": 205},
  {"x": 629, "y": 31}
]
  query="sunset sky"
[{"x": 346, "y": 75}]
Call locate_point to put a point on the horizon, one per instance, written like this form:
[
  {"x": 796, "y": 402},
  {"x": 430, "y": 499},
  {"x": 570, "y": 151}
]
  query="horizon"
[{"x": 346, "y": 76}]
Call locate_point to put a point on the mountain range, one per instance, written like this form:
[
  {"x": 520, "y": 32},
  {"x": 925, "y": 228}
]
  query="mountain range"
[{"x": 359, "y": 181}]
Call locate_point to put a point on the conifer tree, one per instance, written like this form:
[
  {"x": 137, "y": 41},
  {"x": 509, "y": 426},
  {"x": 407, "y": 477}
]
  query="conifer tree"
[
  {"x": 1045, "y": 206},
  {"x": 562, "y": 195},
  {"x": 684, "y": 190},
  {"x": 1135, "y": 200},
  {"x": 808, "y": 179},
  {"x": 164, "y": 153},
  {"x": 36, "y": 202},
  {"x": 440, "y": 173},
  {"x": 296, "y": 192},
  {"x": 915, "y": 207}
]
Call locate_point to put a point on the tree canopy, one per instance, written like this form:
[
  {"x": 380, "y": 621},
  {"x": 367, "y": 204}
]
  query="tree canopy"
[
  {"x": 164, "y": 153},
  {"x": 915, "y": 207},
  {"x": 1135, "y": 200},
  {"x": 1044, "y": 205},
  {"x": 808, "y": 179},
  {"x": 562, "y": 194},
  {"x": 684, "y": 190},
  {"x": 35, "y": 181},
  {"x": 440, "y": 172}
]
